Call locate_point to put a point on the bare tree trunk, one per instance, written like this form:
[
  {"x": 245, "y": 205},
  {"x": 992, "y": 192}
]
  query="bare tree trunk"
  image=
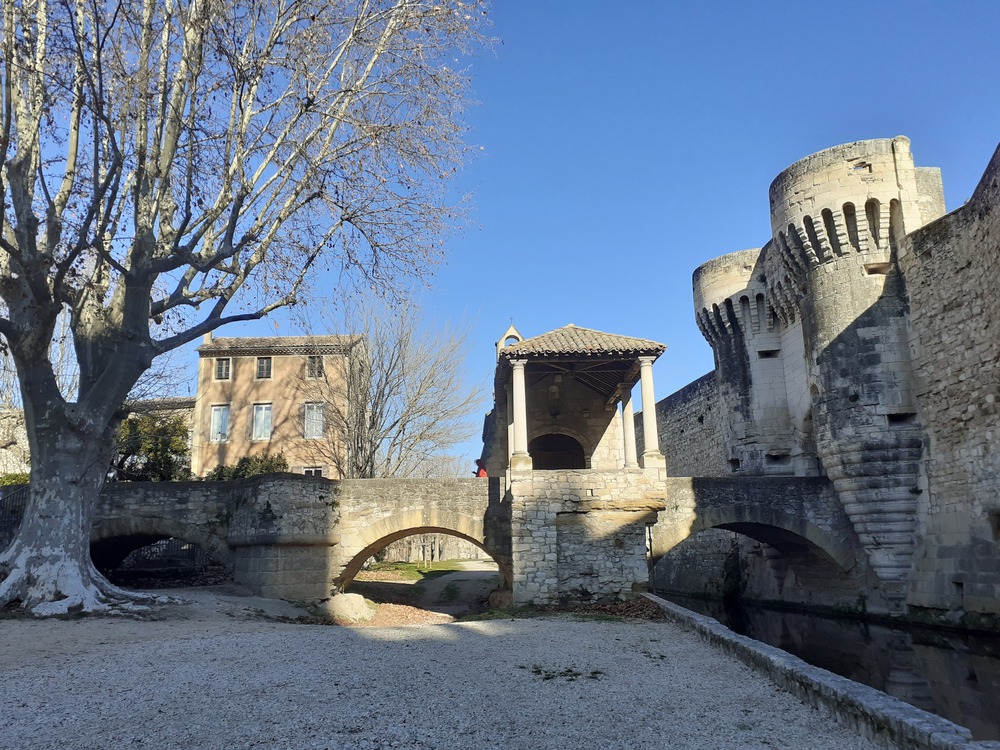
[{"x": 48, "y": 565}]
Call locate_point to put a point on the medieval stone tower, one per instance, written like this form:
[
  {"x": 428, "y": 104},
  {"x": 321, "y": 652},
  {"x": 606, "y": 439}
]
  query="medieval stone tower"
[{"x": 810, "y": 340}]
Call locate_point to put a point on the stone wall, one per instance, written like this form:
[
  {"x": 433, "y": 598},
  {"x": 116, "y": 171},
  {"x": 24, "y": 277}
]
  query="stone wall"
[
  {"x": 952, "y": 271},
  {"x": 893, "y": 724},
  {"x": 583, "y": 536},
  {"x": 285, "y": 531},
  {"x": 782, "y": 511},
  {"x": 696, "y": 567},
  {"x": 376, "y": 512},
  {"x": 879, "y": 312},
  {"x": 303, "y": 537},
  {"x": 580, "y": 536},
  {"x": 689, "y": 424}
]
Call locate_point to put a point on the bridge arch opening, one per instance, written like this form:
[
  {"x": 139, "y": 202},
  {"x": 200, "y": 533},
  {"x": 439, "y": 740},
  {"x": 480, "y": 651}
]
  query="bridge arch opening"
[
  {"x": 454, "y": 585},
  {"x": 141, "y": 551},
  {"x": 754, "y": 562},
  {"x": 358, "y": 561}
]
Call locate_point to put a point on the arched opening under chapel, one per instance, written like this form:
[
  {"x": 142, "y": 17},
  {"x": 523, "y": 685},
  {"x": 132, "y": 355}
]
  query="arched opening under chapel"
[
  {"x": 752, "y": 562},
  {"x": 556, "y": 451}
]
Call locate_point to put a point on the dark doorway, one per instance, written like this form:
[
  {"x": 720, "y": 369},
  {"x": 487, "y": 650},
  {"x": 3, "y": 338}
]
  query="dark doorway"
[{"x": 555, "y": 451}]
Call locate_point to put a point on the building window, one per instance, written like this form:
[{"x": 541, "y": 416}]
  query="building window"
[
  {"x": 220, "y": 424},
  {"x": 313, "y": 471},
  {"x": 222, "y": 368},
  {"x": 261, "y": 421},
  {"x": 313, "y": 427},
  {"x": 314, "y": 366},
  {"x": 263, "y": 367}
]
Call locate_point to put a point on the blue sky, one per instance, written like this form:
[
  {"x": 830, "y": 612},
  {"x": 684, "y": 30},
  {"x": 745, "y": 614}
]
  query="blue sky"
[{"x": 621, "y": 145}]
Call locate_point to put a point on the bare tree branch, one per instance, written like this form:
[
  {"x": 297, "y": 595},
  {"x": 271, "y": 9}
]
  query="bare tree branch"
[
  {"x": 400, "y": 402},
  {"x": 169, "y": 166}
]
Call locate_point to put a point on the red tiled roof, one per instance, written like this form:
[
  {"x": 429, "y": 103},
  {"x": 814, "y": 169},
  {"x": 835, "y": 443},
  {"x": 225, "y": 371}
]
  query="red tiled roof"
[{"x": 572, "y": 340}]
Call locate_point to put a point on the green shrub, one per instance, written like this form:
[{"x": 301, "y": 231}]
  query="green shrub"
[
  {"x": 153, "y": 448},
  {"x": 249, "y": 466},
  {"x": 8, "y": 480}
]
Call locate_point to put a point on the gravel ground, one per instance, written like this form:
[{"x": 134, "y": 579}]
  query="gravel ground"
[{"x": 219, "y": 674}]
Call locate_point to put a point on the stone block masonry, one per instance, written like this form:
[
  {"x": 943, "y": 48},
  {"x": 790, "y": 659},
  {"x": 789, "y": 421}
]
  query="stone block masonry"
[
  {"x": 579, "y": 536},
  {"x": 952, "y": 271},
  {"x": 690, "y": 430},
  {"x": 559, "y": 537},
  {"x": 297, "y": 537}
]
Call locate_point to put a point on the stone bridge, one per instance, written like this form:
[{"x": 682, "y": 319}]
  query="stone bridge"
[
  {"x": 298, "y": 537},
  {"x": 581, "y": 535},
  {"x": 795, "y": 515},
  {"x": 560, "y": 536}
]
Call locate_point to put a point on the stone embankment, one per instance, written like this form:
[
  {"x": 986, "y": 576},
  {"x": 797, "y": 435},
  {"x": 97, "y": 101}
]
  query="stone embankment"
[{"x": 890, "y": 722}]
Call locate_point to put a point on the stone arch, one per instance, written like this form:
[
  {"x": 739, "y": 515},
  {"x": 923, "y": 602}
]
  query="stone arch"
[
  {"x": 772, "y": 527},
  {"x": 580, "y": 437},
  {"x": 557, "y": 450},
  {"x": 431, "y": 520},
  {"x": 150, "y": 529}
]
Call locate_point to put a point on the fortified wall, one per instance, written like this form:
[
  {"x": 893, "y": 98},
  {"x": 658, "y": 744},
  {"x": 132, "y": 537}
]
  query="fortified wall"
[
  {"x": 952, "y": 269},
  {"x": 858, "y": 345},
  {"x": 690, "y": 430}
]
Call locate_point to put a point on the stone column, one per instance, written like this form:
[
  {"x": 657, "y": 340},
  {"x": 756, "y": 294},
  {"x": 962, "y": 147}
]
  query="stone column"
[
  {"x": 520, "y": 460},
  {"x": 628, "y": 423},
  {"x": 509, "y": 419},
  {"x": 651, "y": 456}
]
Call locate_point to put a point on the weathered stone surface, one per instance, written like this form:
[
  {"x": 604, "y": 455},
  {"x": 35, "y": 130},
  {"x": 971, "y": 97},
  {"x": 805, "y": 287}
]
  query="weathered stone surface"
[
  {"x": 890, "y": 722},
  {"x": 690, "y": 430},
  {"x": 952, "y": 268}
]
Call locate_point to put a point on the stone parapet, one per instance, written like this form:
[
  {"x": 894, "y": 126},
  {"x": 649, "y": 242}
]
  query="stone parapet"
[
  {"x": 298, "y": 537},
  {"x": 888, "y": 721}
]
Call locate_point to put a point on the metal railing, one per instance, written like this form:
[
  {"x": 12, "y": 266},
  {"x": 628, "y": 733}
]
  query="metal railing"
[
  {"x": 13, "y": 500},
  {"x": 167, "y": 555}
]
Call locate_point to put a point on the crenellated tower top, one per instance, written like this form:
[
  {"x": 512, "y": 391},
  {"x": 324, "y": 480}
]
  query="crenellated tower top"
[
  {"x": 729, "y": 296},
  {"x": 859, "y": 197}
]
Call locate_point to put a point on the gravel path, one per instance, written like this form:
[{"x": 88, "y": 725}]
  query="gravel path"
[{"x": 226, "y": 679}]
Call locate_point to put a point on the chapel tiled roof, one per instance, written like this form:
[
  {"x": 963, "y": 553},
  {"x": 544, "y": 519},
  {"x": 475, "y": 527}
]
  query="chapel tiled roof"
[{"x": 571, "y": 340}]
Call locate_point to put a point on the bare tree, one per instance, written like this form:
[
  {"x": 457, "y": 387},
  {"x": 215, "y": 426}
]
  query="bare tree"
[
  {"x": 169, "y": 166},
  {"x": 400, "y": 401}
]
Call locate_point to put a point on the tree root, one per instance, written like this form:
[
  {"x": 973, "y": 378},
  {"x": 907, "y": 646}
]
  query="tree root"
[{"x": 56, "y": 585}]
